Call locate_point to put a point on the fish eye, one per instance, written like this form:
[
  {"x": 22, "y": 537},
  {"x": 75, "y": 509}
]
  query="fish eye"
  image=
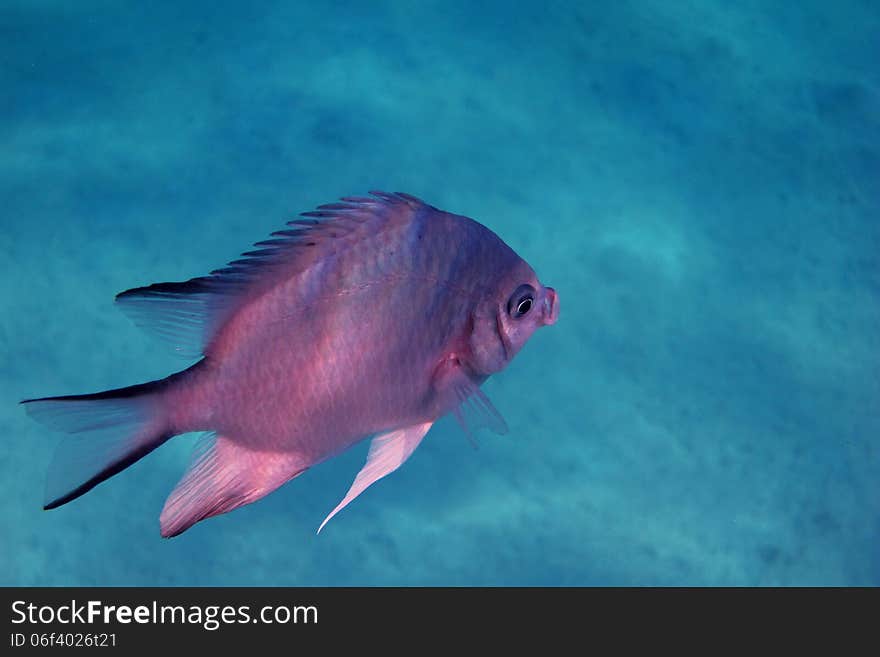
[{"x": 521, "y": 302}]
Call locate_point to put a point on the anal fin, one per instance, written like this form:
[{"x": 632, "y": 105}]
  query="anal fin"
[
  {"x": 223, "y": 476},
  {"x": 388, "y": 452}
]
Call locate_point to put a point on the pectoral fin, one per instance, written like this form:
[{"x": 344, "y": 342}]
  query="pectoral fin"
[
  {"x": 475, "y": 411},
  {"x": 387, "y": 453},
  {"x": 472, "y": 408}
]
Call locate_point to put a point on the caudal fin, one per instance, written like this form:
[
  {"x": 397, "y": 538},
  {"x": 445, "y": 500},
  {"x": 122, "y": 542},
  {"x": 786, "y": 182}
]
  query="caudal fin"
[{"x": 109, "y": 431}]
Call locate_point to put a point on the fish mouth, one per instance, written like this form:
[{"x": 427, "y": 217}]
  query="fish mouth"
[{"x": 551, "y": 306}]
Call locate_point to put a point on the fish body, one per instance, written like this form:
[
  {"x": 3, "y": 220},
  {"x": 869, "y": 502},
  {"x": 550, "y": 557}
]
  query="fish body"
[{"x": 372, "y": 317}]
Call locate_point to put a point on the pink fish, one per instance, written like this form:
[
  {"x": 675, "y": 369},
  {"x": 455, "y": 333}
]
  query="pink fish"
[{"x": 372, "y": 317}]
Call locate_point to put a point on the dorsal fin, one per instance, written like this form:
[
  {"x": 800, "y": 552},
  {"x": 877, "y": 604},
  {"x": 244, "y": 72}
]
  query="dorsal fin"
[{"x": 189, "y": 314}]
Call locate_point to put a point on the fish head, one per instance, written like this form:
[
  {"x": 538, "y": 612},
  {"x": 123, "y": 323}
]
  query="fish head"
[{"x": 515, "y": 308}]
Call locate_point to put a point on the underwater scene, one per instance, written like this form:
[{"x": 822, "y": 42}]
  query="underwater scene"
[{"x": 698, "y": 181}]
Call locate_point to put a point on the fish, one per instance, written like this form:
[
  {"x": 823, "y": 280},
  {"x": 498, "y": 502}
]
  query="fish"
[{"x": 371, "y": 317}]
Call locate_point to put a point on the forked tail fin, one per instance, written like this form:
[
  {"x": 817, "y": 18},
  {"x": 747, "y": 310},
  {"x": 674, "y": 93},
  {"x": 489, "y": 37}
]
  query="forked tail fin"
[{"x": 109, "y": 431}]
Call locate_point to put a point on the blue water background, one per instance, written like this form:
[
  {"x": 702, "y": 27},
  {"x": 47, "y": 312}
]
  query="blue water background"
[{"x": 699, "y": 180}]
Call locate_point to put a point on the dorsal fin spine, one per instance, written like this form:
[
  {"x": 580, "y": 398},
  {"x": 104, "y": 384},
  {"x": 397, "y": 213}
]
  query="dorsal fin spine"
[{"x": 190, "y": 313}]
